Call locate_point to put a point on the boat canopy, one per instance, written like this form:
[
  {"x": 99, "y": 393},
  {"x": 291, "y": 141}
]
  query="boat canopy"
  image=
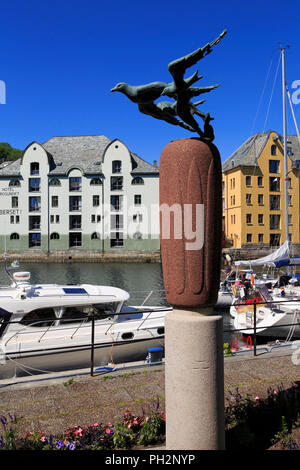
[{"x": 282, "y": 253}]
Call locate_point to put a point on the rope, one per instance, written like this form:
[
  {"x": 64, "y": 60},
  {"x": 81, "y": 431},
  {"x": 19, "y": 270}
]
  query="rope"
[
  {"x": 275, "y": 78},
  {"x": 292, "y": 327}
]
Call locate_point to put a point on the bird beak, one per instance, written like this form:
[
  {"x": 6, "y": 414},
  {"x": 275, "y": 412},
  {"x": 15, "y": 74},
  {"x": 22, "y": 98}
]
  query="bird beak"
[{"x": 113, "y": 89}]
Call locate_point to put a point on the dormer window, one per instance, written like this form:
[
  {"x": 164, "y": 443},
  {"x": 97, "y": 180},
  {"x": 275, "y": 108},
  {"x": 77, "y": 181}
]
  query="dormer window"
[
  {"x": 14, "y": 183},
  {"x": 95, "y": 181},
  {"x": 34, "y": 168},
  {"x": 137, "y": 180}
]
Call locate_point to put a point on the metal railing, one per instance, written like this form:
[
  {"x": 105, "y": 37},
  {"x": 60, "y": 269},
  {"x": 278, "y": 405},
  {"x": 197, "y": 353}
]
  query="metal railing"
[
  {"x": 256, "y": 327},
  {"x": 91, "y": 319}
]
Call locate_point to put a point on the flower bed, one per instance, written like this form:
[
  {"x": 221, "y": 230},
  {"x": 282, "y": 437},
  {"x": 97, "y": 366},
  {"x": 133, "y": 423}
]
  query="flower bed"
[
  {"x": 147, "y": 429},
  {"x": 250, "y": 423}
]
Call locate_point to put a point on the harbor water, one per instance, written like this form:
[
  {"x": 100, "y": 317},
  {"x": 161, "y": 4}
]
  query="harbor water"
[{"x": 139, "y": 279}]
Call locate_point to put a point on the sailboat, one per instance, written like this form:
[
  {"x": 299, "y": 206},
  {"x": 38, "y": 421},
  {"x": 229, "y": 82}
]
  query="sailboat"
[{"x": 277, "y": 313}]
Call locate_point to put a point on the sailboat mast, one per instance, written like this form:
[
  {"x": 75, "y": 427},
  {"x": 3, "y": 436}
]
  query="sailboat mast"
[{"x": 286, "y": 194}]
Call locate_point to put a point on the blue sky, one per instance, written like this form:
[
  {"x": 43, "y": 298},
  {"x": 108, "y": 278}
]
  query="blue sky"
[{"x": 60, "y": 59}]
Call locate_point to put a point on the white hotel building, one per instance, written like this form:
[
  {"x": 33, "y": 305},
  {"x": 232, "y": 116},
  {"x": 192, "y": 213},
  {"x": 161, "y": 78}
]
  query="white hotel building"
[{"x": 86, "y": 193}]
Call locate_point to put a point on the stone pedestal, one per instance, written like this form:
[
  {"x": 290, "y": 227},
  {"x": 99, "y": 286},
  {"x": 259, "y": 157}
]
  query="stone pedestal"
[{"x": 194, "y": 380}]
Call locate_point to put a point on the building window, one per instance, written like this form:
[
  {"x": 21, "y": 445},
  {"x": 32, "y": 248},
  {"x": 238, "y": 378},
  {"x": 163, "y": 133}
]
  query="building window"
[
  {"x": 12, "y": 219},
  {"x": 54, "y": 219},
  {"x": 260, "y": 199},
  {"x": 75, "y": 183},
  {"x": 17, "y": 219},
  {"x": 54, "y": 182},
  {"x": 34, "y": 203},
  {"x": 116, "y": 166},
  {"x": 34, "y": 168},
  {"x": 248, "y": 198},
  {"x": 75, "y": 239},
  {"x": 95, "y": 218},
  {"x": 116, "y": 183},
  {"x": 14, "y": 201},
  {"x": 290, "y": 219},
  {"x": 273, "y": 150},
  {"x": 274, "y": 184},
  {"x": 34, "y": 240},
  {"x": 14, "y": 236},
  {"x": 75, "y": 203},
  {"x": 96, "y": 200},
  {"x": 116, "y": 239},
  {"x": 117, "y": 222},
  {"x": 137, "y": 236},
  {"x": 260, "y": 181},
  {"x": 232, "y": 200},
  {"x": 260, "y": 238},
  {"x": 248, "y": 180},
  {"x": 116, "y": 203},
  {"x": 274, "y": 203},
  {"x": 274, "y": 166},
  {"x": 260, "y": 218},
  {"x": 275, "y": 239},
  {"x": 95, "y": 236},
  {"x": 274, "y": 221},
  {"x": 137, "y": 199},
  {"x": 249, "y": 237},
  {"x": 74, "y": 222},
  {"x": 137, "y": 218},
  {"x": 248, "y": 218},
  {"x": 34, "y": 222},
  {"x": 54, "y": 201},
  {"x": 95, "y": 181},
  {"x": 54, "y": 236},
  {"x": 139, "y": 180},
  {"x": 14, "y": 183},
  {"x": 34, "y": 184}
]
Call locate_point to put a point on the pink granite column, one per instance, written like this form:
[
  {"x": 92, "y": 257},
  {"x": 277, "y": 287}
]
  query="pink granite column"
[{"x": 191, "y": 230}]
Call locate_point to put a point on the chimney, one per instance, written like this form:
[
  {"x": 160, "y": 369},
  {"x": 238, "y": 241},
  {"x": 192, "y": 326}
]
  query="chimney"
[{"x": 155, "y": 163}]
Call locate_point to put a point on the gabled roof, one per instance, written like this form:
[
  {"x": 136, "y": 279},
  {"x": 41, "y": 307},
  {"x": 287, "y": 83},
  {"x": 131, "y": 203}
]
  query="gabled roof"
[
  {"x": 248, "y": 153},
  {"x": 85, "y": 152}
]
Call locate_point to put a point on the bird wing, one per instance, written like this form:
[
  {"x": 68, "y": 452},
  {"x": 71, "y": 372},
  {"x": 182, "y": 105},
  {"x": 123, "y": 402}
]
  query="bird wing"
[{"x": 178, "y": 67}]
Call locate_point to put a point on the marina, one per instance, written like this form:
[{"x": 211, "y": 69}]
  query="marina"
[
  {"x": 100, "y": 346},
  {"x": 51, "y": 327}
]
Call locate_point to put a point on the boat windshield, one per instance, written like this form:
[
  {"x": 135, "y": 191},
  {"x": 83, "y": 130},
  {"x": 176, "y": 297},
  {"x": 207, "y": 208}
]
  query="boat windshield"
[
  {"x": 105, "y": 310},
  {"x": 4, "y": 319}
]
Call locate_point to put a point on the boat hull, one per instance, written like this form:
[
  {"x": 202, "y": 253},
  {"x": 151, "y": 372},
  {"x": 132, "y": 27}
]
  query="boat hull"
[
  {"x": 276, "y": 323},
  {"x": 67, "y": 359}
]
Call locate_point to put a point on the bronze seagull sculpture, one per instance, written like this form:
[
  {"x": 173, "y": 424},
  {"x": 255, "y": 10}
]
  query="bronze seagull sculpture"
[{"x": 181, "y": 90}]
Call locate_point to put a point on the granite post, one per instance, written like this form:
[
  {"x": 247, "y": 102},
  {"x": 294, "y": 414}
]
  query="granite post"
[{"x": 191, "y": 229}]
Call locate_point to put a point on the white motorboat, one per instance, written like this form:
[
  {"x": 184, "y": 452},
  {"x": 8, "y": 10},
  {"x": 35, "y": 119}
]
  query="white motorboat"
[{"x": 48, "y": 327}]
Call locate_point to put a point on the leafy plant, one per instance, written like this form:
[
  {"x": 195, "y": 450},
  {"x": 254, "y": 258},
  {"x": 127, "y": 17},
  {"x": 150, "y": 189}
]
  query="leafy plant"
[{"x": 227, "y": 350}]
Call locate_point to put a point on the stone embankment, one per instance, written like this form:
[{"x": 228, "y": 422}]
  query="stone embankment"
[
  {"x": 255, "y": 251},
  {"x": 85, "y": 256}
]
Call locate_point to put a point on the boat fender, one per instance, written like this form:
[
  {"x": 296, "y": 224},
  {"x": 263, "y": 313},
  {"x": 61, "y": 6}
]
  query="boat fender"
[{"x": 234, "y": 344}]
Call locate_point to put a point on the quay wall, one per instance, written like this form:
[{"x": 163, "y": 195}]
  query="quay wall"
[
  {"x": 126, "y": 256},
  {"x": 85, "y": 256},
  {"x": 255, "y": 251}
]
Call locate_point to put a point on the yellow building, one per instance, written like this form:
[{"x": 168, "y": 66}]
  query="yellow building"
[{"x": 253, "y": 191}]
